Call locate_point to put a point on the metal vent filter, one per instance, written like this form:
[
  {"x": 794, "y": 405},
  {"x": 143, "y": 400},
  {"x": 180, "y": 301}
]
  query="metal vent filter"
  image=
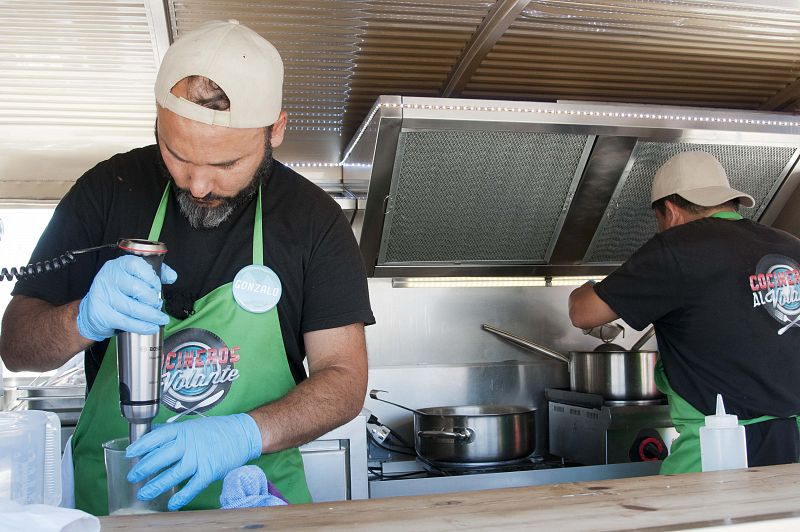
[
  {"x": 629, "y": 222},
  {"x": 477, "y": 196}
]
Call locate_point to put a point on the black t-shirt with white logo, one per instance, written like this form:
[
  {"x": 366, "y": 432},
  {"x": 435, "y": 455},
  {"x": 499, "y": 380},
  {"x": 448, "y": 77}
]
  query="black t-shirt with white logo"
[
  {"x": 724, "y": 296},
  {"x": 307, "y": 242}
]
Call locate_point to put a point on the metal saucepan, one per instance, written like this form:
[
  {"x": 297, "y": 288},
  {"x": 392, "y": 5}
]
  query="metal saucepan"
[
  {"x": 473, "y": 434},
  {"x": 610, "y": 371}
]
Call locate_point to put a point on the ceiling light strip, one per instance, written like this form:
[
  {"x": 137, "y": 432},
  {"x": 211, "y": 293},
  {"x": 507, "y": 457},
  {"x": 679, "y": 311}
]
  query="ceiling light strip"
[{"x": 489, "y": 282}]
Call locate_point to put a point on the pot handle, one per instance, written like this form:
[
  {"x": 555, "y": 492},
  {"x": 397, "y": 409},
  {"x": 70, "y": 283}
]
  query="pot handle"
[
  {"x": 645, "y": 337},
  {"x": 525, "y": 343},
  {"x": 466, "y": 435}
]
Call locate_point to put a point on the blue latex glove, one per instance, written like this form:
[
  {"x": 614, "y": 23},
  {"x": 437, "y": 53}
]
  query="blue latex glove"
[
  {"x": 201, "y": 450},
  {"x": 124, "y": 296},
  {"x": 248, "y": 487}
]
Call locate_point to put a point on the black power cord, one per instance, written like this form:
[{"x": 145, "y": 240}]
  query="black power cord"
[
  {"x": 407, "y": 449},
  {"x": 52, "y": 265}
]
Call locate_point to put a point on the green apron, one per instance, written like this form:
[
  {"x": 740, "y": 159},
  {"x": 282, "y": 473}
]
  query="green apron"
[
  {"x": 221, "y": 353},
  {"x": 684, "y": 454}
]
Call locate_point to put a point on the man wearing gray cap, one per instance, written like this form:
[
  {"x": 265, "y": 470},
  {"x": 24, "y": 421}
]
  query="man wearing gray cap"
[
  {"x": 263, "y": 272},
  {"x": 723, "y": 293}
]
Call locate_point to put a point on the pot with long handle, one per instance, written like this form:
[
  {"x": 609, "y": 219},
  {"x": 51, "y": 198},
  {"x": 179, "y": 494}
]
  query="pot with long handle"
[
  {"x": 614, "y": 373},
  {"x": 472, "y": 434}
]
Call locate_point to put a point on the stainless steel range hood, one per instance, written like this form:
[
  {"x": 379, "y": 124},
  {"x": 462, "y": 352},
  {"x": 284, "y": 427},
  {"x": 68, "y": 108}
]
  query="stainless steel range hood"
[{"x": 479, "y": 187}]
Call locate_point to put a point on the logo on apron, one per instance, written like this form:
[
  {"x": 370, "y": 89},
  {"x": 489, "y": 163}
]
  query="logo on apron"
[
  {"x": 776, "y": 289},
  {"x": 197, "y": 372}
]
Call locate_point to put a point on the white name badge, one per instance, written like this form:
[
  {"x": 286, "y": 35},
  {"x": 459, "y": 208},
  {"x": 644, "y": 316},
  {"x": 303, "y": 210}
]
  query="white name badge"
[{"x": 256, "y": 288}]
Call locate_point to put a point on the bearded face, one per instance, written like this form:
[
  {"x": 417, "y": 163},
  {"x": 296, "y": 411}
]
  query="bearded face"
[{"x": 213, "y": 209}]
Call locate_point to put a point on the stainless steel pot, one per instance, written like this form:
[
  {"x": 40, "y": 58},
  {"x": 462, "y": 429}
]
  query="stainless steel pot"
[
  {"x": 472, "y": 434},
  {"x": 616, "y": 374}
]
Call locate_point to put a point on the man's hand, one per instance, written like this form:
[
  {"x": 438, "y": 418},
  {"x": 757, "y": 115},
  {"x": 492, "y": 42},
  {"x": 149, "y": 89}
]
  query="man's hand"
[
  {"x": 124, "y": 296},
  {"x": 202, "y": 450}
]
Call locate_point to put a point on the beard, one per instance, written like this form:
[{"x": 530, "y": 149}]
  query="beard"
[{"x": 199, "y": 213}]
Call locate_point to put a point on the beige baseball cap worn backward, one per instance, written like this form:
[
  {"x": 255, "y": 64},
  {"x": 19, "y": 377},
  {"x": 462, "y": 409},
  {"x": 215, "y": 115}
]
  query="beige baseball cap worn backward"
[
  {"x": 698, "y": 177},
  {"x": 244, "y": 65}
]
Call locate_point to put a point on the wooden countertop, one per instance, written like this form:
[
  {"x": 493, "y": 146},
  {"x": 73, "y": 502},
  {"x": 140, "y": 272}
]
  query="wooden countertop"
[{"x": 673, "y": 502}]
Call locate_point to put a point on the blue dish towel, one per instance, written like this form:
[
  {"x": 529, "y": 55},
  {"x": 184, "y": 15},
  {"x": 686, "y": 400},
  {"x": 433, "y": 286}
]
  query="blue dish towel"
[{"x": 248, "y": 487}]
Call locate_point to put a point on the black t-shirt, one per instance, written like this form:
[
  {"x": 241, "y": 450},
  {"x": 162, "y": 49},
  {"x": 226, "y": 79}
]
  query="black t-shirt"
[
  {"x": 708, "y": 287},
  {"x": 307, "y": 242}
]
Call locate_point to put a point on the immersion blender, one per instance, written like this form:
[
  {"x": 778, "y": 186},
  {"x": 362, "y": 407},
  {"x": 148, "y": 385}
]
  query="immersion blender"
[{"x": 139, "y": 356}]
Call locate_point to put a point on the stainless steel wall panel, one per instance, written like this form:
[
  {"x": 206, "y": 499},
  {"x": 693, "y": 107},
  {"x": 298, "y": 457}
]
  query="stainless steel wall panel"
[
  {"x": 442, "y": 325},
  {"x": 505, "y": 383}
]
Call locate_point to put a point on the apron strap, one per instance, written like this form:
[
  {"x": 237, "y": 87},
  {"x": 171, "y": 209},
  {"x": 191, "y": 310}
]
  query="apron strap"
[
  {"x": 158, "y": 220},
  {"x": 727, "y": 215},
  {"x": 762, "y": 419},
  {"x": 687, "y": 411},
  {"x": 258, "y": 234}
]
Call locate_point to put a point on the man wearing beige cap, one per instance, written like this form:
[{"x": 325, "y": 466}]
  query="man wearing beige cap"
[
  {"x": 263, "y": 272},
  {"x": 723, "y": 293}
]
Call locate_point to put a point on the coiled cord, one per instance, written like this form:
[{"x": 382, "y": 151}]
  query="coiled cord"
[
  {"x": 52, "y": 265},
  {"x": 31, "y": 270}
]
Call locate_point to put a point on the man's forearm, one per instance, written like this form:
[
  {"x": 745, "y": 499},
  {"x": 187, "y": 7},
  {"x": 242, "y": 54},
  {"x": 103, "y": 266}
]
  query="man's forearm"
[
  {"x": 587, "y": 310},
  {"x": 38, "y": 336},
  {"x": 329, "y": 398}
]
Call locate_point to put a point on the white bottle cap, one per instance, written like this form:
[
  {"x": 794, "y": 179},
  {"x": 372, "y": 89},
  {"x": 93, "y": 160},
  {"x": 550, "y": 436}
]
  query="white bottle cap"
[{"x": 721, "y": 420}]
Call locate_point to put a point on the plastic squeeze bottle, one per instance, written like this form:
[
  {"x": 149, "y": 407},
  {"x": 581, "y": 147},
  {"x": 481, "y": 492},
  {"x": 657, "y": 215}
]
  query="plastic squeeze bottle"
[{"x": 722, "y": 441}]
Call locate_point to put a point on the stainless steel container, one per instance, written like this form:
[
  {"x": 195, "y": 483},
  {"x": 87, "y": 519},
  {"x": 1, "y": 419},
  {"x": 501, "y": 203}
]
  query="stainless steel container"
[
  {"x": 64, "y": 401},
  {"x": 475, "y": 434},
  {"x": 617, "y": 375}
]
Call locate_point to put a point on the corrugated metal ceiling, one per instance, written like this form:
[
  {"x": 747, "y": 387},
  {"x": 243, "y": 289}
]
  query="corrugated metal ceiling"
[
  {"x": 340, "y": 56},
  {"x": 76, "y": 76},
  {"x": 409, "y": 49},
  {"x": 684, "y": 53}
]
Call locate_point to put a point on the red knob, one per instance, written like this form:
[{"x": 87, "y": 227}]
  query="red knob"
[{"x": 650, "y": 449}]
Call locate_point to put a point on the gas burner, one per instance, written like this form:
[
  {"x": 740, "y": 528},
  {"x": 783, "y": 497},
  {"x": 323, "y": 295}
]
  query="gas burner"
[
  {"x": 523, "y": 464},
  {"x": 643, "y": 402},
  {"x": 483, "y": 465},
  {"x": 587, "y": 429}
]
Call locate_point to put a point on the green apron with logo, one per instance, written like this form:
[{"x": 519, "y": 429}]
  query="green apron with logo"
[
  {"x": 684, "y": 454},
  {"x": 256, "y": 372}
]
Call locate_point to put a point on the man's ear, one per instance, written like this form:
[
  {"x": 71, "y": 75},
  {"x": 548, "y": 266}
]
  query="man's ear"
[
  {"x": 674, "y": 215},
  {"x": 278, "y": 130}
]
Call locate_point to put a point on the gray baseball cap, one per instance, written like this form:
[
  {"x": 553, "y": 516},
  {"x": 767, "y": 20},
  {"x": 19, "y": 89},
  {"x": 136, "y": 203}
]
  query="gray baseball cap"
[
  {"x": 696, "y": 176},
  {"x": 244, "y": 65}
]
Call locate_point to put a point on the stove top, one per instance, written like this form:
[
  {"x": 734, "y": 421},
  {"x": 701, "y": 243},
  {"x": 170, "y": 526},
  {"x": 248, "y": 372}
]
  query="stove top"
[
  {"x": 531, "y": 463},
  {"x": 414, "y": 479},
  {"x": 590, "y": 400}
]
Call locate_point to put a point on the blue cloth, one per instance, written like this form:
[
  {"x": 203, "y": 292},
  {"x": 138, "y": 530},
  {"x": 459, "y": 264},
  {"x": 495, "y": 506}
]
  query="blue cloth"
[{"x": 248, "y": 487}]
